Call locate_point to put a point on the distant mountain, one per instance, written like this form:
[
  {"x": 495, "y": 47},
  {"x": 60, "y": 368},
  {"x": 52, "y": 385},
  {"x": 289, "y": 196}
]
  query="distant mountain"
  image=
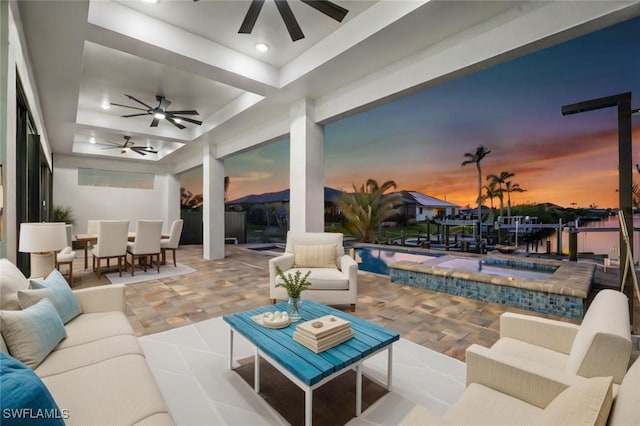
[{"x": 276, "y": 197}]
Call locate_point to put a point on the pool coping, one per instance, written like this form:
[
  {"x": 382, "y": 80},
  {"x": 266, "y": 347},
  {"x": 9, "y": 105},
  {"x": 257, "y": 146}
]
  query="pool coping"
[
  {"x": 569, "y": 279},
  {"x": 563, "y": 294}
]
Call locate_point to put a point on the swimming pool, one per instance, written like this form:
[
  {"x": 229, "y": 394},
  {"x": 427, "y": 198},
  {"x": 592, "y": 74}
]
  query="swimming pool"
[
  {"x": 492, "y": 268},
  {"x": 377, "y": 260}
]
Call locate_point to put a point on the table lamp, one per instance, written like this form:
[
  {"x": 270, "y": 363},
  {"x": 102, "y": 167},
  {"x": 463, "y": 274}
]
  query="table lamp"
[{"x": 42, "y": 240}]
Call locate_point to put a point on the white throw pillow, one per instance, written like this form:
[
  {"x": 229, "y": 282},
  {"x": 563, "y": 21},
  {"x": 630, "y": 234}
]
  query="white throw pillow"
[{"x": 587, "y": 403}]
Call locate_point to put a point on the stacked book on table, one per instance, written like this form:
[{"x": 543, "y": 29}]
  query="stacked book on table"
[{"x": 323, "y": 333}]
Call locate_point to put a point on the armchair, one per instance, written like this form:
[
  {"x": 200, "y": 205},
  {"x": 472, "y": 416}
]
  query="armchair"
[
  {"x": 334, "y": 274},
  {"x": 599, "y": 346}
]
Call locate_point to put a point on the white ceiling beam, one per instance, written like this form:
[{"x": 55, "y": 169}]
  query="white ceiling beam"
[
  {"x": 520, "y": 31},
  {"x": 363, "y": 26},
  {"x": 119, "y": 27}
]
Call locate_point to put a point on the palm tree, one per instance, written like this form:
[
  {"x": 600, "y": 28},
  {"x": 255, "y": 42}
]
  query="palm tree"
[
  {"x": 476, "y": 157},
  {"x": 500, "y": 180},
  {"x": 509, "y": 188},
  {"x": 491, "y": 192},
  {"x": 368, "y": 206}
]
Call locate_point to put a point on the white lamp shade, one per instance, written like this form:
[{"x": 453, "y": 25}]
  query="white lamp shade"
[{"x": 42, "y": 237}]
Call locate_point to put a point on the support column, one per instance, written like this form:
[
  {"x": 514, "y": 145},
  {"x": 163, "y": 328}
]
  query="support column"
[
  {"x": 306, "y": 172},
  {"x": 172, "y": 202},
  {"x": 213, "y": 204}
]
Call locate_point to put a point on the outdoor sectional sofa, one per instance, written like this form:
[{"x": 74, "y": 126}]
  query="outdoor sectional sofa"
[{"x": 97, "y": 374}]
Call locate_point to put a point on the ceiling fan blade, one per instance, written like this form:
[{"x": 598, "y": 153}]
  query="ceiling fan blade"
[
  {"x": 184, "y": 112},
  {"x": 164, "y": 102},
  {"x": 135, "y": 115},
  {"x": 137, "y": 151},
  {"x": 155, "y": 122},
  {"x": 138, "y": 101},
  {"x": 329, "y": 8},
  {"x": 251, "y": 17},
  {"x": 289, "y": 20},
  {"x": 145, "y": 149},
  {"x": 189, "y": 120},
  {"x": 178, "y": 125},
  {"x": 126, "y": 106}
]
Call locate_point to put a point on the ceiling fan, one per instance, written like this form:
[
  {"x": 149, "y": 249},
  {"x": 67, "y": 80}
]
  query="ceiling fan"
[
  {"x": 130, "y": 146},
  {"x": 160, "y": 112},
  {"x": 329, "y": 8}
]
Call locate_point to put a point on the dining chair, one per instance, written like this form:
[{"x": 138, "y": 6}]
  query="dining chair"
[
  {"x": 147, "y": 243},
  {"x": 112, "y": 243},
  {"x": 93, "y": 226},
  {"x": 172, "y": 242}
]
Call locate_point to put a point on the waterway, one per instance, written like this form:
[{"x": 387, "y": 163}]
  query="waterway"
[{"x": 604, "y": 243}]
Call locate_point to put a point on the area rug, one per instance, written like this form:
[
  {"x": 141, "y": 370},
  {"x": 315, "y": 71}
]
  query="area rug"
[
  {"x": 191, "y": 367},
  {"x": 334, "y": 403},
  {"x": 151, "y": 274}
]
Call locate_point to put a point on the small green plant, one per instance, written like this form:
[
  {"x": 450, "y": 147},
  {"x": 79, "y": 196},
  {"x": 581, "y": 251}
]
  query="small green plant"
[
  {"x": 62, "y": 214},
  {"x": 293, "y": 283}
]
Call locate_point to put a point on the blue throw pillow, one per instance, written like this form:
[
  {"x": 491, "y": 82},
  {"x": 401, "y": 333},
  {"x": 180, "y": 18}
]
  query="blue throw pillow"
[
  {"x": 62, "y": 297},
  {"x": 25, "y": 399},
  {"x": 32, "y": 333}
]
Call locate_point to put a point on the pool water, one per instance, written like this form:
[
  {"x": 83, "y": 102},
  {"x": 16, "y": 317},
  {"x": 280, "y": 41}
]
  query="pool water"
[
  {"x": 376, "y": 260},
  {"x": 473, "y": 265}
]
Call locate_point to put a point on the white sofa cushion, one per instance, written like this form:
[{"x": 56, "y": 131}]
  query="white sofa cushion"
[
  {"x": 69, "y": 358},
  {"x": 322, "y": 278},
  {"x": 117, "y": 391},
  {"x": 11, "y": 280},
  {"x": 315, "y": 256},
  {"x": 481, "y": 405},
  {"x": 32, "y": 333},
  {"x": 92, "y": 327},
  {"x": 535, "y": 353}
]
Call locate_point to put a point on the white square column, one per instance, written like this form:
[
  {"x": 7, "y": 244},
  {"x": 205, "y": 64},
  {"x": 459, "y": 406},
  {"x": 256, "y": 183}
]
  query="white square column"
[
  {"x": 306, "y": 172},
  {"x": 213, "y": 204}
]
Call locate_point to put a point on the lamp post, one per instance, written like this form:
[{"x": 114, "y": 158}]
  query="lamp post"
[
  {"x": 623, "y": 103},
  {"x": 42, "y": 240},
  {"x": 517, "y": 223}
]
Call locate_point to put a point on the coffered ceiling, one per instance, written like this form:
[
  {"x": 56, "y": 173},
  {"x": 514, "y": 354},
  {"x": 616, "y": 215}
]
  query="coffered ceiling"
[{"x": 88, "y": 53}]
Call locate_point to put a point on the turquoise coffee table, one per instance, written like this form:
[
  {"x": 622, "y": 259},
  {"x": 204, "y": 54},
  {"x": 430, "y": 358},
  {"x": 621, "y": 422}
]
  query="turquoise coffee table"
[{"x": 302, "y": 366}]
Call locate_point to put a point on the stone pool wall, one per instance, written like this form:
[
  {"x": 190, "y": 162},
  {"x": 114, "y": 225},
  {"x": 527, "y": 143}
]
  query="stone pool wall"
[{"x": 563, "y": 294}]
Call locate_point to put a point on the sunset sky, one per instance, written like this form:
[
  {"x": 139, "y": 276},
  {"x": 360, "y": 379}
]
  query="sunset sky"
[{"x": 513, "y": 109}]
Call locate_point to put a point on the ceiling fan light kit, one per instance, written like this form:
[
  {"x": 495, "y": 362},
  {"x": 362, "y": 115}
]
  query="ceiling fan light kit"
[
  {"x": 128, "y": 146},
  {"x": 160, "y": 112}
]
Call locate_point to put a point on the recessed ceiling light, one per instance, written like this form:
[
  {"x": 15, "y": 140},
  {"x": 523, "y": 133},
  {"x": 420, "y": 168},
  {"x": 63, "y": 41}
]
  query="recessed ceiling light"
[
  {"x": 105, "y": 105},
  {"x": 159, "y": 115},
  {"x": 150, "y": 1},
  {"x": 261, "y": 47},
  {"x": 92, "y": 140}
]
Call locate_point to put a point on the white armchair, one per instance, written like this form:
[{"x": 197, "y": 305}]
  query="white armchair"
[
  {"x": 334, "y": 274},
  {"x": 599, "y": 346}
]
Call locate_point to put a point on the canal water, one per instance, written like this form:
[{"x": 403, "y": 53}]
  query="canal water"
[{"x": 605, "y": 242}]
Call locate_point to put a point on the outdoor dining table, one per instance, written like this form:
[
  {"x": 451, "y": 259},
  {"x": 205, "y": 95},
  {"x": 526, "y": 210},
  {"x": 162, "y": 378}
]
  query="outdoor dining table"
[{"x": 86, "y": 239}]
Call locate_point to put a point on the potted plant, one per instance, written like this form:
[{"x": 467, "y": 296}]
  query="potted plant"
[
  {"x": 62, "y": 214},
  {"x": 294, "y": 284}
]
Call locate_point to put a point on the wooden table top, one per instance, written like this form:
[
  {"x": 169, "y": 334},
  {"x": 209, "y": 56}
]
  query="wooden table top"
[{"x": 302, "y": 362}]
